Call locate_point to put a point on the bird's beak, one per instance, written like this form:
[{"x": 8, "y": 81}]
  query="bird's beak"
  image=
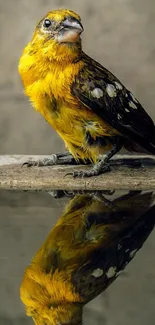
[{"x": 70, "y": 31}]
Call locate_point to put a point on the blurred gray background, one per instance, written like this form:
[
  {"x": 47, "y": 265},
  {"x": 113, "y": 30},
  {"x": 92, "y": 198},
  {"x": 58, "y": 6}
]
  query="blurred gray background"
[{"x": 121, "y": 35}]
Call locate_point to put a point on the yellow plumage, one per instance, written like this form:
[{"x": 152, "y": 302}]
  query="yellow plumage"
[
  {"x": 85, "y": 103},
  {"x": 82, "y": 255},
  {"x": 48, "y": 71}
]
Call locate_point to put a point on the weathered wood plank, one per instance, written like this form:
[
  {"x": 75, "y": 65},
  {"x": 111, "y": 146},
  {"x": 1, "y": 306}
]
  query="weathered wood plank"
[{"x": 15, "y": 177}]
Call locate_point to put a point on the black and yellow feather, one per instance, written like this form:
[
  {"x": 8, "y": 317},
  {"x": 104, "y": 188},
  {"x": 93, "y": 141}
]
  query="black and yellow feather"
[
  {"x": 83, "y": 254},
  {"x": 85, "y": 103}
]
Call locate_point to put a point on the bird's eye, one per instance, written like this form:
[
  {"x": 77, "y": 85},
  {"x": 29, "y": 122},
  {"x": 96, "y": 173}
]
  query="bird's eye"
[{"x": 47, "y": 23}]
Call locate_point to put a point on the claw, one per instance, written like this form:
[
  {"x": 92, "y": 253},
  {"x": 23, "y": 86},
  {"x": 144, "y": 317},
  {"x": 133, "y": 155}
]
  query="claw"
[
  {"x": 30, "y": 163},
  {"x": 89, "y": 173},
  {"x": 68, "y": 174},
  {"x": 52, "y": 160},
  {"x": 109, "y": 192},
  {"x": 76, "y": 174}
]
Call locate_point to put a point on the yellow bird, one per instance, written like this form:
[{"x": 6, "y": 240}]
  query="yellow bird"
[
  {"x": 86, "y": 104},
  {"x": 83, "y": 254}
]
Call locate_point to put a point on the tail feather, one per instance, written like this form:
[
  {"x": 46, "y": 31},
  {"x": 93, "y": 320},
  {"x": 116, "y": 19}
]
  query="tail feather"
[{"x": 135, "y": 147}]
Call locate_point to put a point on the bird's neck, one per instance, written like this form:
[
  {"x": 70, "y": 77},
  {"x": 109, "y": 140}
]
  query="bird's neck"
[{"x": 33, "y": 67}]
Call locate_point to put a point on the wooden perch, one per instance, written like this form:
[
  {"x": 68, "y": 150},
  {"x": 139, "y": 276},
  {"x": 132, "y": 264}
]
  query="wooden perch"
[{"x": 15, "y": 177}]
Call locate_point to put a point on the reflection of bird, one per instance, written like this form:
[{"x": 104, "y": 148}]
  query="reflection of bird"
[
  {"x": 86, "y": 104},
  {"x": 83, "y": 254}
]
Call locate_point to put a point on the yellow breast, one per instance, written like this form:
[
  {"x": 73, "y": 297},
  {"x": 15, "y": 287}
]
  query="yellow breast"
[{"x": 49, "y": 89}]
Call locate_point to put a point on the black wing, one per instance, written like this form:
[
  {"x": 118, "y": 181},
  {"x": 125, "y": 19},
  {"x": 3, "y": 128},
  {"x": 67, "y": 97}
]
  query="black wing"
[
  {"x": 102, "y": 92},
  {"x": 89, "y": 281}
]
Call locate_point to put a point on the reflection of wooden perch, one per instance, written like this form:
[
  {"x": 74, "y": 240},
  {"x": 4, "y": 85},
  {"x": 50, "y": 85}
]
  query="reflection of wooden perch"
[{"x": 139, "y": 177}]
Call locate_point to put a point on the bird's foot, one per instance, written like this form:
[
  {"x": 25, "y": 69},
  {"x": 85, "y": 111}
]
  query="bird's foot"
[
  {"x": 69, "y": 194},
  {"x": 54, "y": 159},
  {"x": 97, "y": 195},
  {"x": 95, "y": 171}
]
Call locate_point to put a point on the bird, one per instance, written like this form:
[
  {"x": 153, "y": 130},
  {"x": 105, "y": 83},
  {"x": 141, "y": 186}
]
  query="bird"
[
  {"x": 85, "y": 251},
  {"x": 90, "y": 108}
]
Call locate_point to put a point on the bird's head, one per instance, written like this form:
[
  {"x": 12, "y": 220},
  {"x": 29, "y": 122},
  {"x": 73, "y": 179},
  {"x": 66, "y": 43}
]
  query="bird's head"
[
  {"x": 63, "y": 315},
  {"x": 57, "y": 35},
  {"x": 46, "y": 297}
]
